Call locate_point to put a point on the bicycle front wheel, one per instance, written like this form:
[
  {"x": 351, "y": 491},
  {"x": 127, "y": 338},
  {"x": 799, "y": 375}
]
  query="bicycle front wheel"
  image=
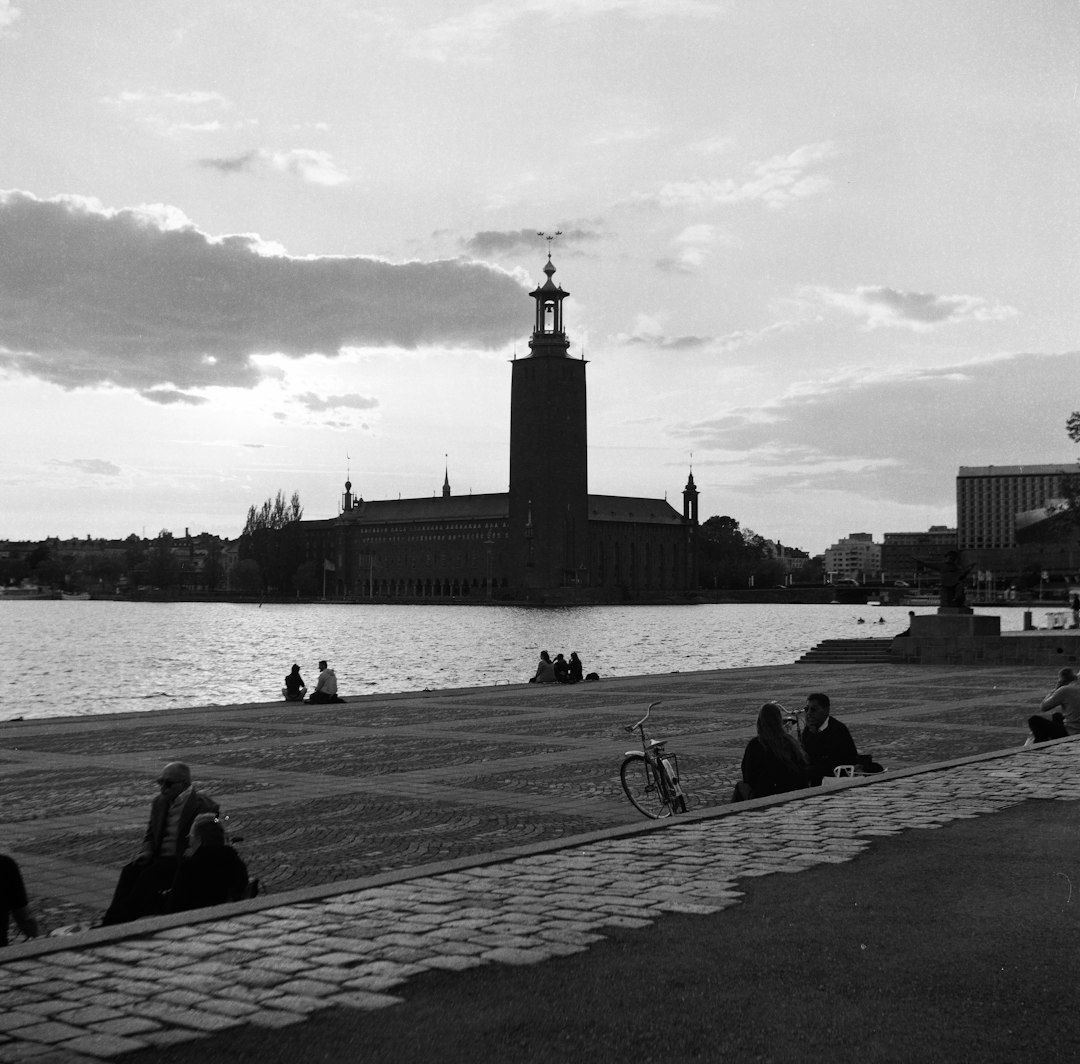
[{"x": 643, "y": 788}]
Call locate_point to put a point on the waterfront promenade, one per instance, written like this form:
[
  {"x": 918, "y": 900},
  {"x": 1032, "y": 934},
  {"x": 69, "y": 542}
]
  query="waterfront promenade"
[{"x": 445, "y": 831}]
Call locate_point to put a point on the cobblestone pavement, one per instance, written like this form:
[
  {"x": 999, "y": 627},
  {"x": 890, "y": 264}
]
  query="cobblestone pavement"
[
  {"x": 322, "y": 794},
  {"x": 280, "y": 965},
  {"x": 385, "y": 785}
]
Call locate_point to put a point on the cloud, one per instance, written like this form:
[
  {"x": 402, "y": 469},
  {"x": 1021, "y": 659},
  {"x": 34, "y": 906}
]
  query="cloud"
[
  {"x": 167, "y": 113},
  {"x": 648, "y": 332},
  {"x": 776, "y": 182},
  {"x": 470, "y": 36},
  {"x": 308, "y": 164},
  {"x": 9, "y": 14},
  {"x": 318, "y": 403},
  {"x": 246, "y": 162},
  {"x": 899, "y": 435},
  {"x": 313, "y": 166},
  {"x": 495, "y": 243},
  {"x": 693, "y": 248},
  {"x": 95, "y": 467},
  {"x": 171, "y": 397},
  {"x": 882, "y": 307},
  {"x": 142, "y": 299}
]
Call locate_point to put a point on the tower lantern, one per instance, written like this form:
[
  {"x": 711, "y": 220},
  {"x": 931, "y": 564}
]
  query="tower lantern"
[{"x": 548, "y": 337}]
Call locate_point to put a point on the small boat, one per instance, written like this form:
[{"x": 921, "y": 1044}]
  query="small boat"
[{"x": 74, "y": 594}]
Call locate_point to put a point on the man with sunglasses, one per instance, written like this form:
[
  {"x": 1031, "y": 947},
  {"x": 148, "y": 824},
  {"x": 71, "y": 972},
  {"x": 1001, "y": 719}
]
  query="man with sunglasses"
[
  {"x": 172, "y": 812},
  {"x": 826, "y": 740}
]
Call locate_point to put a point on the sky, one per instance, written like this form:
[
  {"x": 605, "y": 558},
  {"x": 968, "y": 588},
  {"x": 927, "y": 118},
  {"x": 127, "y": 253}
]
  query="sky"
[{"x": 821, "y": 252}]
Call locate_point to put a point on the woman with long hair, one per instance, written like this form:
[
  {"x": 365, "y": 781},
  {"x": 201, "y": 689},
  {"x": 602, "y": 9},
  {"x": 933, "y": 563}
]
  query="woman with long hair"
[{"x": 774, "y": 761}]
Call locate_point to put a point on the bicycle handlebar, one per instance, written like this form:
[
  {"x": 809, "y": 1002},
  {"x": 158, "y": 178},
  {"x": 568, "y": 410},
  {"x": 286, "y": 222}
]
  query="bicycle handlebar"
[{"x": 652, "y": 705}]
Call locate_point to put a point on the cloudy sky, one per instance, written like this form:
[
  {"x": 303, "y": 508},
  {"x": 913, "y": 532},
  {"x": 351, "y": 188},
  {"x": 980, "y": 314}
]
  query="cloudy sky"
[{"x": 824, "y": 249}]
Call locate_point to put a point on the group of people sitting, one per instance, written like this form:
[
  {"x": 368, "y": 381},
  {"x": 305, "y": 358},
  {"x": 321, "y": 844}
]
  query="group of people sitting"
[
  {"x": 788, "y": 753},
  {"x": 558, "y": 671},
  {"x": 185, "y": 861},
  {"x": 325, "y": 687}
]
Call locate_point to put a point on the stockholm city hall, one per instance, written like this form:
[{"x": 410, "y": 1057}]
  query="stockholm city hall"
[{"x": 546, "y": 540}]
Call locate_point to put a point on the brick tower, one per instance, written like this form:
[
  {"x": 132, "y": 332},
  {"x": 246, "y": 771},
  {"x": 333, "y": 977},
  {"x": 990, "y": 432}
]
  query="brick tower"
[{"x": 549, "y": 504}]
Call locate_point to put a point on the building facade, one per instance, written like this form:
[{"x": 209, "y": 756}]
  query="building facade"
[
  {"x": 988, "y": 498},
  {"x": 545, "y": 540},
  {"x": 855, "y": 557},
  {"x": 900, "y": 549}
]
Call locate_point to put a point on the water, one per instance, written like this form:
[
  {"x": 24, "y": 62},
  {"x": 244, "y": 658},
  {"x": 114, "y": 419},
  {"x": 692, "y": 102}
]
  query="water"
[{"x": 80, "y": 657}]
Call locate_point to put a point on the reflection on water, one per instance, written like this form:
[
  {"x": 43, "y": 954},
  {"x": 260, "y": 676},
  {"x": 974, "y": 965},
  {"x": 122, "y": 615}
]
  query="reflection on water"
[{"x": 72, "y": 657}]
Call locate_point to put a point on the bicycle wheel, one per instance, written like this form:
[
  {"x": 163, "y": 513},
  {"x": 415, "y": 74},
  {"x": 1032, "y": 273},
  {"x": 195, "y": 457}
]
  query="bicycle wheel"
[{"x": 643, "y": 788}]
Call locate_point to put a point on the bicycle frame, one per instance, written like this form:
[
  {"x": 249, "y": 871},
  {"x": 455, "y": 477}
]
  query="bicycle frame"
[{"x": 656, "y": 792}]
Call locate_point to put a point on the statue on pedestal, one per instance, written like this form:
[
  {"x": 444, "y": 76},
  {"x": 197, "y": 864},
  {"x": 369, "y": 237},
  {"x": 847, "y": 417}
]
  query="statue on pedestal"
[{"x": 952, "y": 580}]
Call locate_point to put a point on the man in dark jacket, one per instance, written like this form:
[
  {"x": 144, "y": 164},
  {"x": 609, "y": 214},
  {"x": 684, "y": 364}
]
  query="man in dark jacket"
[
  {"x": 138, "y": 893},
  {"x": 826, "y": 740}
]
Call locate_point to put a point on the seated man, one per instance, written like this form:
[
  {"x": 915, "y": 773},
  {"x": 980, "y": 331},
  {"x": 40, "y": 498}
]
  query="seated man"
[
  {"x": 13, "y": 901},
  {"x": 325, "y": 686},
  {"x": 1065, "y": 698},
  {"x": 172, "y": 812},
  {"x": 210, "y": 873},
  {"x": 826, "y": 740}
]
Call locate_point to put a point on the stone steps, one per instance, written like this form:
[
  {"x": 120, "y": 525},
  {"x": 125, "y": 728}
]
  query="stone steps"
[{"x": 849, "y": 652}]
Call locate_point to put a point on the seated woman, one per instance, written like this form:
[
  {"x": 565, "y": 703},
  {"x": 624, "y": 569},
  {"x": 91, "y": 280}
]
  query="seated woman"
[
  {"x": 294, "y": 689},
  {"x": 562, "y": 669},
  {"x": 575, "y": 668},
  {"x": 211, "y": 873},
  {"x": 545, "y": 670},
  {"x": 774, "y": 762}
]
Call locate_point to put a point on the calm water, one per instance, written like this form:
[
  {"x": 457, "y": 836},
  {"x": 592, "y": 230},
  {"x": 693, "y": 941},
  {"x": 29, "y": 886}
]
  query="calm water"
[{"x": 65, "y": 657}]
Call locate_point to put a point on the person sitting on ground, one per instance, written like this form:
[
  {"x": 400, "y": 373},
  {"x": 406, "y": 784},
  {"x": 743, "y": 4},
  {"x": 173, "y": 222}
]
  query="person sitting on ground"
[
  {"x": 325, "y": 686},
  {"x": 13, "y": 901},
  {"x": 172, "y": 812},
  {"x": 826, "y": 740},
  {"x": 211, "y": 872},
  {"x": 545, "y": 669},
  {"x": 576, "y": 672},
  {"x": 773, "y": 762},
  {"x": 562, "y": 670},
  {"x": 1066, "y": 721},
  {"x": 295, "y": 688}
]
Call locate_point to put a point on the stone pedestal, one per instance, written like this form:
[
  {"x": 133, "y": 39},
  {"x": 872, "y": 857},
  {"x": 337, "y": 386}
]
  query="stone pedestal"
[{"x": 953, "y": 636}]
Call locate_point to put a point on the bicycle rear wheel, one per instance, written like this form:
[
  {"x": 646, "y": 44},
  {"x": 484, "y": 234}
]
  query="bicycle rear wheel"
[{"x": 643, "y": 788}]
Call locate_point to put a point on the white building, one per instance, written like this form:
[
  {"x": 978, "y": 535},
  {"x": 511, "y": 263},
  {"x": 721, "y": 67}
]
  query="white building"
[{"x": 855, "y": 557}]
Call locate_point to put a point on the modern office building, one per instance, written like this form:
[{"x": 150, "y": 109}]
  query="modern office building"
[
  {"x": 546, "y": 539},
  {"x": 988, "y": 498}
]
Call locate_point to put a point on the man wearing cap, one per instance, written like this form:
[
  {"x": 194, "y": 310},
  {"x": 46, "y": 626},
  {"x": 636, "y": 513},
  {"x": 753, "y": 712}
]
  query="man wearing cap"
[{"x": 138, "y": 893}]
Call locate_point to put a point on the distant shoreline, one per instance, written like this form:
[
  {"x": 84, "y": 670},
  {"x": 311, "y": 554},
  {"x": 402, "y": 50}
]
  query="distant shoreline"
[{"x": 796, "y": 596}]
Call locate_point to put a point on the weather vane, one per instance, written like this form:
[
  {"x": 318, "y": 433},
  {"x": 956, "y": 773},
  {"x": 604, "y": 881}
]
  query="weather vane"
[{"x": 550, "y": 238}]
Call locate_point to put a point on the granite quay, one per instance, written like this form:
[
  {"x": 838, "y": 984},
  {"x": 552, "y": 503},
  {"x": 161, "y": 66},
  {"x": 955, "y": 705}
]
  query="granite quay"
[{"x": 446, "y": 830}]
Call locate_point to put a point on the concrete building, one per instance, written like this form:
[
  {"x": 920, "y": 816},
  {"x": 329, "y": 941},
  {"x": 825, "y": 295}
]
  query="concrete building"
[
  {"x": 546, "y": 540},
  {"x": 899, "y": 549},
  {"x": 855, "y": 557},
  {"x": 988, "y": 498}
]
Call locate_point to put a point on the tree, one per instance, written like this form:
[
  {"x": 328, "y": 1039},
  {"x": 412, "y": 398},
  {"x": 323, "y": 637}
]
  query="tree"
[
  {"x": 725, "y": 559},
  {"x": 274, "y": 514},
  {"x": 247, "y": 576},
  {"x": 269, "y": 540},
  {"x": 308, "y": 579}
]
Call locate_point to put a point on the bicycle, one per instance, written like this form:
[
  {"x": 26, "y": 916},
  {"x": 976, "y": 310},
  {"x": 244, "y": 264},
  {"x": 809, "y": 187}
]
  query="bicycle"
[{"x": 650, "y": 777}]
